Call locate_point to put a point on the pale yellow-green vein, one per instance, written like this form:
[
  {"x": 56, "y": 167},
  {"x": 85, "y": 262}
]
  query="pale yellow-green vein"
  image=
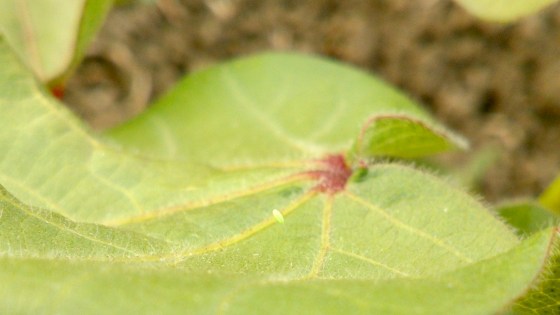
[
  {"x": 254, "y": 229},
  {"x": 70, "y": 230},
  {"x": 46, "y": 202},
  {"x": 415, "y": 231},
  {"x": 325, "y": 239},
  {"x": 370, "y": 261},
  {"x": 162, "y": 212}
]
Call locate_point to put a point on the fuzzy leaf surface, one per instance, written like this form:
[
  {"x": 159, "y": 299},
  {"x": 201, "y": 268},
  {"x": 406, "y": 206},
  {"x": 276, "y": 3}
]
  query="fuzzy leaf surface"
[
  {"x": 174, "y": 212},
  {"x": 52, "y": 265}
]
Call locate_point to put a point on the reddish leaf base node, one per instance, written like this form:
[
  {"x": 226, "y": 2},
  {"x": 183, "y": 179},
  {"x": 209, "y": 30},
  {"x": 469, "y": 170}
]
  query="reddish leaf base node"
[
  {"x": 332, "y": 175},
  {"x": 58, "y": 91}
]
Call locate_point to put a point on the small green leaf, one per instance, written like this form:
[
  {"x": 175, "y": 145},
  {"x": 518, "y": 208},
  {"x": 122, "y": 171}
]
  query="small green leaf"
[
  {"x": 404, "y": 137},
  {"x": 550, "y": 198},
  {"x": 504, "y": 10},
  {"x": 527, "y": 217},
  {"x": 50, "y": 36}
]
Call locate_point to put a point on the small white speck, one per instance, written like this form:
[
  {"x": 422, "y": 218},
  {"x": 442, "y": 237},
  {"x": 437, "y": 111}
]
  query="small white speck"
[{"x": 445, "y": 210}]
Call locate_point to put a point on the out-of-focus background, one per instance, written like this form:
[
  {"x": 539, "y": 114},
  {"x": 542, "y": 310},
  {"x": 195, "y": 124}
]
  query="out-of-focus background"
[{"x": 498, "y": 85}]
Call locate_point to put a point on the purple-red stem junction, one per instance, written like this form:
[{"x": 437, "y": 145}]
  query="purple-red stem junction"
[{"x": 332, "y": 175}]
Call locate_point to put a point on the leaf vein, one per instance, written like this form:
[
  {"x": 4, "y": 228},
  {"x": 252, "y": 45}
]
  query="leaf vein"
[
  {"x": 166, "y": 211},
  {"x": 325, "y": 239},
  {"x": 400, "y": 224},
  {"x": 126, "y": 193},
  {"x": 68, "y": 229},
  {"x": 330, "y": 122},
  {"x": 266, "y": 121},
  {"x": 254, "y": 229},
  {"x": 371, "y": 261},
  {"x": 49, "y": 203}
]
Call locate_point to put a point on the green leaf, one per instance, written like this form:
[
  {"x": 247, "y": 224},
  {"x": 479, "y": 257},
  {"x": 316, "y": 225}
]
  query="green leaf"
[
  {"x": 416, "y": 138},
  {"x": 50, "y": 36},
  {"x": 543, "y": 296},
  {"x": 550, "y": 198},
  {"x": 34, "y": 232},
  {"x": 527, "y": 217},
  {"x": 504, "y": 10},
  {"x": 93, "y": 275},
  {"x": 175, "y": 212},
  {"x": 281, "y": 106}
]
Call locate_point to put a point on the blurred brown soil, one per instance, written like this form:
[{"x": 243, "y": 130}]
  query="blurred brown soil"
[{"x": 498, "y": 85}]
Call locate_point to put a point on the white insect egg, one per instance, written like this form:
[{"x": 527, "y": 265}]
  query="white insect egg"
[{"x": 278, "y": 216}]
